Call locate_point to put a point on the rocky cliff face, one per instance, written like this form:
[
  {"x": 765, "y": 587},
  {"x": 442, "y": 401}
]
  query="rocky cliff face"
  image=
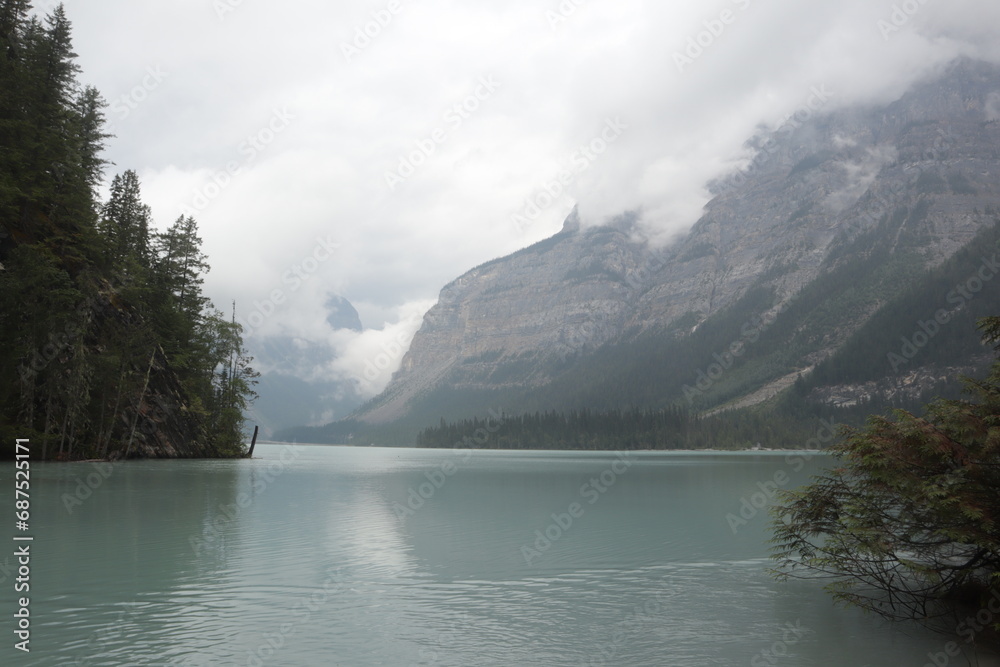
[
  {"x": 156, "y": 421},
  {"x": 924, "y": 170}
]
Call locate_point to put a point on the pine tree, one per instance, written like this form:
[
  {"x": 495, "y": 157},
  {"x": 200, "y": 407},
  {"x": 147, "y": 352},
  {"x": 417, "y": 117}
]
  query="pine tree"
[
  {"x": 125, "y": 222},
  {"x": 233, "y": 380},
  {"x": 50, "y": 100},
  {"x": 89, "y": 136},
  {"x": 181, "y": 265},
  {"x": 13, "y": 16},
  {"x": 95, "y": 320}
]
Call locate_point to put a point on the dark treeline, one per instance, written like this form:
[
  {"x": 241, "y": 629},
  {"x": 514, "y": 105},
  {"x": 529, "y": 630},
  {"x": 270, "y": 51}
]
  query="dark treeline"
[
  {"x": 106, "y": 340},
  {"x": 671, "y": 428},
  {"x": 790, "y": 421},
  {"x": 924, "y": 320}
]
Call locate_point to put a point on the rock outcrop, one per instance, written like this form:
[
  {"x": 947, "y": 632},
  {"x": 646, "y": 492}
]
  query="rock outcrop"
[{"x": 924, "y": 170}]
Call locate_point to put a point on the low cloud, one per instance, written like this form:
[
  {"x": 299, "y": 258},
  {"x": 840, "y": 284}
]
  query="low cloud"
[
  {"x": 325, "y": 129},
  {"x": 369, "y": 358}
]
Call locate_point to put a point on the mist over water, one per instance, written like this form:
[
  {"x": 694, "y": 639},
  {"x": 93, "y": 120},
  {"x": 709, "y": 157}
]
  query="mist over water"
[{"x": 314, "y": 555}]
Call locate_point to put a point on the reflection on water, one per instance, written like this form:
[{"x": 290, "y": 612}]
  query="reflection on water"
[{"x": 370, "y": 556}]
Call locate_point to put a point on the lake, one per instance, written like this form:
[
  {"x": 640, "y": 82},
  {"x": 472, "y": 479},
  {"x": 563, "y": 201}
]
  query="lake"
[{"x": 312, "y": 555}]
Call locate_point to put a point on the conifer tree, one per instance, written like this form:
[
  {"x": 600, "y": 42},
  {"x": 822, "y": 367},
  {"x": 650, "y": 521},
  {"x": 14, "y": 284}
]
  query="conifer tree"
[
  {"x": 88, "y": 142},
  {"x": 233, "y": 380},
  {"x": 125, "y": 224},
  {"x": 95, "y": 318},
  {"x": 181, "y": 265}
]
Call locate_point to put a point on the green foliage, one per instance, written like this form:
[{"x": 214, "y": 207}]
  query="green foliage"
[
  {"x": 634, "y": 429},
  {"x": 106, "y": 340},
  {"x": 233, "y": 380},
  {"x": 907, "y": 527},
  {"x": 125, "y": 224},
  {"x": 669, "y": 428}
]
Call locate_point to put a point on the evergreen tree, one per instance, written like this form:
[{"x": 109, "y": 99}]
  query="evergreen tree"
[
  {"x": 88, "y": 143},
  {"x": 125, "y": 225},
  {"x": 233, "y": 380},
  {"x": 180, "y": 265},
  {"x": 50, "y": 102},
  {"x": 99, "y": 326},
  {"x": 14, "y": 125},
  {"x": 13, "y": 17}
]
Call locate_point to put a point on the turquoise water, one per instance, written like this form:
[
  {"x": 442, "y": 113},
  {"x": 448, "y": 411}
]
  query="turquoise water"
[{"x": 377, "y": 556}]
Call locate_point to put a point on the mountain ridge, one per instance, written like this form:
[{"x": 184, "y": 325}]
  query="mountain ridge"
[{"x": 888, "y": 192}]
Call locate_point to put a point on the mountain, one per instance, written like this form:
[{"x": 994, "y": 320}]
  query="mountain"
[
  {"x": 342, "y": 314},
  {"x": 292, "y": 389},
  {"x": 825, "y": 256},
  {"x": 285, "y": 401}
]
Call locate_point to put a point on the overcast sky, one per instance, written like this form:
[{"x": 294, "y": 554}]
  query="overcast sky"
[{"x": 380, "y": 149}]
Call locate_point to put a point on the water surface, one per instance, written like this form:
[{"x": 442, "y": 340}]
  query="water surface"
[{"x": 378, "y": 556}]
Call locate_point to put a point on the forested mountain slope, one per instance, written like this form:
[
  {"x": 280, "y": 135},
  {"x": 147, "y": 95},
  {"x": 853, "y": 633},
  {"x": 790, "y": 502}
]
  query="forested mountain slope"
[{"x": 823, "y": 251}]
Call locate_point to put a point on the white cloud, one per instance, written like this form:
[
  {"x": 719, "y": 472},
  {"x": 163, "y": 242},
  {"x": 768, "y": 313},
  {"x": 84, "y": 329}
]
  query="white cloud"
[
  {"x": 369, "y": 359},
  {"x": 324, "y": 174}
]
